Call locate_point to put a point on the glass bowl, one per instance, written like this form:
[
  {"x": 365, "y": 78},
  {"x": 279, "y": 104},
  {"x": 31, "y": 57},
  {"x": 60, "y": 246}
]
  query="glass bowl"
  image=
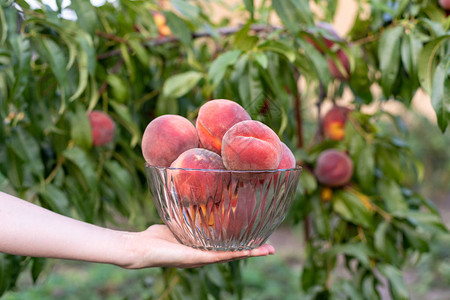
[{"x": 222, "y": 210}]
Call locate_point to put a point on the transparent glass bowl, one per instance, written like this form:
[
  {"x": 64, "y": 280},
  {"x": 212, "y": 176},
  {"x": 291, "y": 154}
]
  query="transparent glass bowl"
[{"x": 222, "y": 210}]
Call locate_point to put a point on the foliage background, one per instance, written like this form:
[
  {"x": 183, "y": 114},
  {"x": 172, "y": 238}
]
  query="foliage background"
[{"x": 112, "y": 58}]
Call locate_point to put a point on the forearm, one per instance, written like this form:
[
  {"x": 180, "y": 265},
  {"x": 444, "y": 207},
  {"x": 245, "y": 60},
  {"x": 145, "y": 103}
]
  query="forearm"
[{"x": 30, "y": 230}]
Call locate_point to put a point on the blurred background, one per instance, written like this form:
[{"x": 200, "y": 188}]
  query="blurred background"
[{"x": 426, "y": 275}]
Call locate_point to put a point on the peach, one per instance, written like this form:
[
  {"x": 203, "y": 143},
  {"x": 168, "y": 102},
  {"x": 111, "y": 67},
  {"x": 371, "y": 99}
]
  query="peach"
[
  {"x": 251, "y": 145},
  {"x": 334, "y": 168},
  {"x": 102, "y": 128},
  {"x": 214, "y": 119},
  {"x": 164, "y": 30},
  {"x": 287, "y": 158},
  {"x": 166, "y": 137},
  {"x": 198, "y": 186},
  {"x": 159, "y": 19},
  {"x": 334, "y": 122},
  {"x": 445, "y": 4},
  {"x": 238, "y": 205}
]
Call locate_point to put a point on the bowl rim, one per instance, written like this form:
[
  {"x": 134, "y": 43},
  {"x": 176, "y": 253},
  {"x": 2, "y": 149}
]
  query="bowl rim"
[{"x": 296, "y": 168}]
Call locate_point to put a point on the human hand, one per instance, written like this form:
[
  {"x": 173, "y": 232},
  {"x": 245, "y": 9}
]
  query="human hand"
[
  {"x": 157, "y": 247},
  {"x": 29, "y": 230}
]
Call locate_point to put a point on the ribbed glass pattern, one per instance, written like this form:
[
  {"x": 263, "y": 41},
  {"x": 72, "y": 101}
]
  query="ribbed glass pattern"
[{"x": 221, "y": 209}]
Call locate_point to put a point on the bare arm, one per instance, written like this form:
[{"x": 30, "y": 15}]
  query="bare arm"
[{"x": 30, "y": 230}]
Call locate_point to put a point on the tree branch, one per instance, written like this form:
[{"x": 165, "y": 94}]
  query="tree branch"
[
  {"x": 224, "y": 31},
  {"x": 114, "y": 70},
  {"x": 298, "y": 113}
]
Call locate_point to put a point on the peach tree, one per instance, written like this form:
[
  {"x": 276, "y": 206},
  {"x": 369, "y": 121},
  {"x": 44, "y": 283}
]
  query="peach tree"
[{"x": 77, "y": 92}]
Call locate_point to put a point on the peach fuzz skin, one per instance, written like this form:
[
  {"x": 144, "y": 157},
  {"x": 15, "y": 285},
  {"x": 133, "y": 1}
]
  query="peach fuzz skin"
[
  {"x": 102, "y": 128},
  {"x": 214, "y": 119},
  {"x": 166, "y": 137},
  {"x": 287, "y": 158},
  {"x": 333, "y": 168},
  {"x": 197, "y": 187},
  {"x": 334, "y": 122},
  {"x": 251, "y": 145}
]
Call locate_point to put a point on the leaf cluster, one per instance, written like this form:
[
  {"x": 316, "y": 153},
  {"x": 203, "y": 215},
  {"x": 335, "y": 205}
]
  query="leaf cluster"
[{"x": 54, "y": 71}]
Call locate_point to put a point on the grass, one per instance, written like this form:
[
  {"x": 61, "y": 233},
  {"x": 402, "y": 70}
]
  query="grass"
[{"x": 76, "y": 280}]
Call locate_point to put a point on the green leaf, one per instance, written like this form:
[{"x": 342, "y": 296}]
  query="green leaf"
[
  {"x": 308, "y": 181},
  {"x": 380, "y": 237},
  {"x": 4, "y": 278},
  {"x": 166, "y": 105},
  {"x": 352, "y": 208},
  {"x": 55, "y": 56},
  {"x": 435, "y": 28},
  {"x": 26, "y": 147},
  {"x": 369, "y": 287},
  {"x": 121, "y": 182},
  {"x": 250, "y": 86},
  {"x": 417, "y": 240},
  {"x": 243, "y": 41},
  {"x": 124, "y": 117},
  {"x": 395, "y": 279},
  {"x": 79, "y": 158},
  {"x": 221, "y": 63},
  {"x": 359, "y": 81},
  {"x": 434, "y": 12},
  {"x": 86, "y": 15},
  {"x": 321, "y": 217},
  {"x": 389, "y": 57},
  {"x": 279, "y": 47},
  {"x": 392, "y": 196},
  {"x": 431, "y": 222},
  {"x": 54, "y": 199},
  {"x": 86, "y": 45},
  {"x": 358, "y": 250},
  {"x": 406, "y": 53},
  {"x": 440, "y": 93},
  {"x": 141, "y": 53},
  {"x": 3, "y": 93},
  {"x": 83, "y": 75},
  {"x": 128, "y": 62},
  {"x": 262, "y": 59},
  {"x": 312, "y": 277},
  {"x": 319, "y": 62},
  {"x": 178, "y": 27},
  {"x": 365, "y": 168},
  {"x": 250, "y": 6},
  {"x": 80, "y": 128},
  {"x": 4, "y": 182},
  {"x": 4, "y": 26},
  {"x": 186, "y": 9},
  {"x": 389, "y": 163},
  {"x": 410, "y": 51},
  {"x": 180, "y": 84},
  {"x": 119, "y": 87},
  {"x": 350, "y": 289},
  {"x": 21, "y": 58},
  {"x": 37, "y": 267},
  {"x": 293, "y": 13},
  {"x": 427, "y": 62}
]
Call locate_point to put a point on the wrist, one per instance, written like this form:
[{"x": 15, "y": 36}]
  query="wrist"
[{"x": 132, "y": 254}]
